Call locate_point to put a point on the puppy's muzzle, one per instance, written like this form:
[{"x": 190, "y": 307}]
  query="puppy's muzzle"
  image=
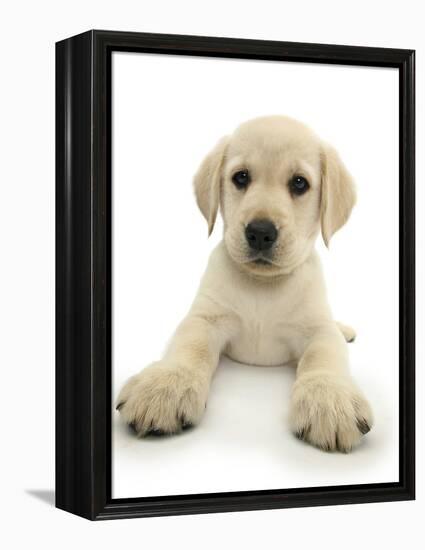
[{"x": 260, "y": 235}]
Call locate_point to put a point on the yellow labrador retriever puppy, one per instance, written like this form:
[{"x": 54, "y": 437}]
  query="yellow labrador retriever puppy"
[{"x": 262, "y": 299}]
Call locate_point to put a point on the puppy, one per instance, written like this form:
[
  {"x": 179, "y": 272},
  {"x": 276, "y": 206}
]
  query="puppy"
[{"x": 262, "y": 299}]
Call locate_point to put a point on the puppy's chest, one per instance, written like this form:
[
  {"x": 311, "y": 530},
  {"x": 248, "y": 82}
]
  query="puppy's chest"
[{"x": 269, "y": 329}]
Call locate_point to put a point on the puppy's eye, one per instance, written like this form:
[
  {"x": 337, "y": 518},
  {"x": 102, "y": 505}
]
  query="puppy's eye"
[
  {"x": 241, "y": 179},
  {"x": 298, "y": 185}
]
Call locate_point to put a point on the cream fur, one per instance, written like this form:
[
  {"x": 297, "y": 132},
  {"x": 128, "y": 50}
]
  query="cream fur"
[{"x": 263, "y": 314}]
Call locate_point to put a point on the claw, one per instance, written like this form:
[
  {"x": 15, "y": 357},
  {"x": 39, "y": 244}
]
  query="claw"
[
  {"x": 185, "y": 424},
  {"x": 133, "y": 427},
  {"x": 157, "y": 432},
  {"x": 363, "y": 426},
  {"x": 303, "y": 433}
]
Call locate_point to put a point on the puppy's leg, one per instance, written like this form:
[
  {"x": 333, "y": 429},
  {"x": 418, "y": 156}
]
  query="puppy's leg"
[
  {"x": 170, "y": 395},
  {"x": 348, "y": 332},
  {"x": 327, "y": 408}
]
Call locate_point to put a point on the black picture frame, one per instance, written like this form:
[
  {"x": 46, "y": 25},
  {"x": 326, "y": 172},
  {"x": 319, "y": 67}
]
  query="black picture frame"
[{"x": 83, "y": 273}]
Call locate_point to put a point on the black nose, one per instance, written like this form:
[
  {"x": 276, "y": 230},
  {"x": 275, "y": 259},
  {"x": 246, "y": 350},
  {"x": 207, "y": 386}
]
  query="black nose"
[{"x": 260, "y": 234}]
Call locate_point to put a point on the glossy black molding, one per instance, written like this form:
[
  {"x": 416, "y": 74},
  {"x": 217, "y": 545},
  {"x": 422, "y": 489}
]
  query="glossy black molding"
[{"x": 83, "y": 274}]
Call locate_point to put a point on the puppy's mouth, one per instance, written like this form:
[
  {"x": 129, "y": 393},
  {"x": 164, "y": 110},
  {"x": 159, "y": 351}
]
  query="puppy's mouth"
[{"x": 262, "y": 261}]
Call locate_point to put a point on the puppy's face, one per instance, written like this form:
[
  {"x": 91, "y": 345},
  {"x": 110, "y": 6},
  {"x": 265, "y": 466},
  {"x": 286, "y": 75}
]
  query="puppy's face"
[
  {"x": 271, "y": 194},
  {"x": 272, "y": 179}
]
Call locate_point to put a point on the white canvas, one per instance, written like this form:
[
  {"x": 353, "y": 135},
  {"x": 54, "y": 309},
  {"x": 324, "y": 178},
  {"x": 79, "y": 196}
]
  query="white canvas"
[{"x": 168, "y": 111}]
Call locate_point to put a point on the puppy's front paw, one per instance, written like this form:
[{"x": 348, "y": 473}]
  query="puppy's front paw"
[
  {"x": 162, "y": 399},
  {"x": 329, "y": 411}
]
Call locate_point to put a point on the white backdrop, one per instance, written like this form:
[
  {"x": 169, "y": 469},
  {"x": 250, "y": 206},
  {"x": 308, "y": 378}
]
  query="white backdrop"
[
  {"x": 168, "y": 111},
  {"x": 27, "y": 275}
]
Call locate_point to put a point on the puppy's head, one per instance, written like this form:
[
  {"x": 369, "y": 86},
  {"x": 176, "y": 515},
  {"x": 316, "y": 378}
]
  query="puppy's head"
[{"x": 276, "y": 184}]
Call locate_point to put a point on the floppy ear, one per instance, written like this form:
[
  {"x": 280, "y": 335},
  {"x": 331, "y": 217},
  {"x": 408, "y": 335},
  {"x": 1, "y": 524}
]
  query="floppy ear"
[
  {"x": 207, "y": 183},
  {"x": 338, "y": 193}
]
